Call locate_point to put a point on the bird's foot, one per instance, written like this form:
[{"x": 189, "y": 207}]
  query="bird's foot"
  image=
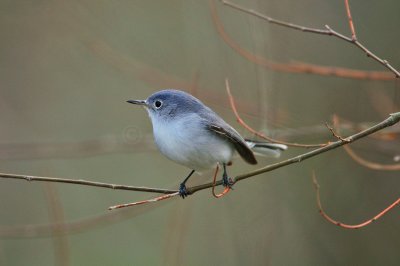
[
  {"x": 227, "y": 181},
  {"x": 183, "y": 191}
]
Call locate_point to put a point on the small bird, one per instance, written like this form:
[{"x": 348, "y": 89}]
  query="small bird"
[{"x": 191, "y": 134}]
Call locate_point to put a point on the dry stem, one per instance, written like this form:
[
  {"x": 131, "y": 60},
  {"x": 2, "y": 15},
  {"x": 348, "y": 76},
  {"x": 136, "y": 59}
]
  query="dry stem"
[
  {"x": 86, "y": 183},
  {"x": 257, "y": 133},
  {"x": 349, "y": 226},
  {"x": 295, "y": 67},
  {"x": 327, "y": 31}
]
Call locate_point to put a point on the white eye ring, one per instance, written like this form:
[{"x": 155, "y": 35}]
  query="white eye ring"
[{"x": 158, "y": 104}]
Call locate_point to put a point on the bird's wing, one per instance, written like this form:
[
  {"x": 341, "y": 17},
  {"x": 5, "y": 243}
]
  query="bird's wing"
[{"x": 225, "y": 131}]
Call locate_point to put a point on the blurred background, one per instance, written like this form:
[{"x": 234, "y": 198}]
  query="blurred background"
[{"x": 67, "y": 68}]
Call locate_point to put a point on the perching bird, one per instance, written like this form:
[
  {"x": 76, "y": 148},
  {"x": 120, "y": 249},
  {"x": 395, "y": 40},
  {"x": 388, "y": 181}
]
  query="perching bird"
[{"x": 191, "y": 134}]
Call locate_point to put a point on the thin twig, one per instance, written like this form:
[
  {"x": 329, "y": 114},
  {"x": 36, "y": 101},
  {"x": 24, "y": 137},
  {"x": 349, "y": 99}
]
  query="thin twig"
[
  {"x": 351, "y": 23},
  {"x": 334, "y": 133},
  {"x": 164, "y": 197},
  {"x": 295, "y": 67},
  {"x": 160, "y": 198},
  {"x": 327, "y": 31},
  {"x": 257, "y": 133},
  {"x": 349, "y": 226},
  {"x": 369, "y": 164},
  {"x": 361, "y": 161},
  {"x": 275, "y": 21},
  {"x": 86, "y": 183}
]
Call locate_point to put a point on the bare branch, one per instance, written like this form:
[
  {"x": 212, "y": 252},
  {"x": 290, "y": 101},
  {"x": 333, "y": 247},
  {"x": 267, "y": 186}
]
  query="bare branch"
[
  {"x": 295, "y": 67},
  {"x": 257, "y": 133},
  {"x": 327, "y": 31},
  {"x": 160, "y": 198},
  {"x": 334, "y": 133},
  {"x": 369, "y": 164},
  {"x": 349, "y": 226},
  {"x": 156, "y": 199},
  {"x": 277, "y": 21},
  {"x": 86, "y": 183},
  {"x": 351, "y": 24},
  {"x": 361, "y": 161}
]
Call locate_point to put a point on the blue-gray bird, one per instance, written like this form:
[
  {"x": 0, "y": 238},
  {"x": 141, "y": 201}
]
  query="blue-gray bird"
[{"x": 191, "y": 134}]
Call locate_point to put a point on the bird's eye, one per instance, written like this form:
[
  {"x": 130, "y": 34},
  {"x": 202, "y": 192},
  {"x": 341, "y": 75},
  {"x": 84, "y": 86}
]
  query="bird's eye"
[{"x": 158, "y": 104}]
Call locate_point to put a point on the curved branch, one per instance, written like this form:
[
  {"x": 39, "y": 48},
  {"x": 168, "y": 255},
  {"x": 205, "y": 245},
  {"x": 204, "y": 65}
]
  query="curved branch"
[
  {"x": 327, "y": 31},
  {"x": 357, "y": 158},
  {"x": 257, "y": 133},
  {"x": 369, "y": 164},
  {"x": 295, "y": 67},
  {"x": 349, "y": 226}
]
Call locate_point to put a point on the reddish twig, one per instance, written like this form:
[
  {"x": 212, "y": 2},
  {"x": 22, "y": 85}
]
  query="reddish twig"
[
  {"x": 295, "y": 67},
  {"x": 257, "y": 133},
  {"x": 160, "y": 198},
  {"x": 349, "y": 226},
  {"x": 226, "y": 190},
  {"x": 168, "y": 196},
  {"x": 351, "y": 24},
  {"x": 369, "y": 164},
  {"x": 388, "y": 134},
  {"x": 358, "y": 159},
  {"x": 327, "y": 31},
  {"x": 334, "y": 133}
]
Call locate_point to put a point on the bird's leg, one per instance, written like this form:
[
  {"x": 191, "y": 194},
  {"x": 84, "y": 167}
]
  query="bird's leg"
[
  {"x": 182, "y": 187},
  {"x": 226, "y": 181}
]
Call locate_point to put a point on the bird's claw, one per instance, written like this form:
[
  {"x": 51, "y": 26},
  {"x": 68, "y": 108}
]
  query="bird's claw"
[
  {"x": 183, "y": 191},
  {"x": 227, "y": 181}
]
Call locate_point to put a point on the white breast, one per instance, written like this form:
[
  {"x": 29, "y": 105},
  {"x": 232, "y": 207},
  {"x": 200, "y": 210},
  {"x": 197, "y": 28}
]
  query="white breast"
[{"x": 187, "y": 142}]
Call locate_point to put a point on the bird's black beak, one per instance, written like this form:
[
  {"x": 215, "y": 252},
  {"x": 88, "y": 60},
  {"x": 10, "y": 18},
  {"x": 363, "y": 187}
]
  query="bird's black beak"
[{"x": 138, "y": 102}]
